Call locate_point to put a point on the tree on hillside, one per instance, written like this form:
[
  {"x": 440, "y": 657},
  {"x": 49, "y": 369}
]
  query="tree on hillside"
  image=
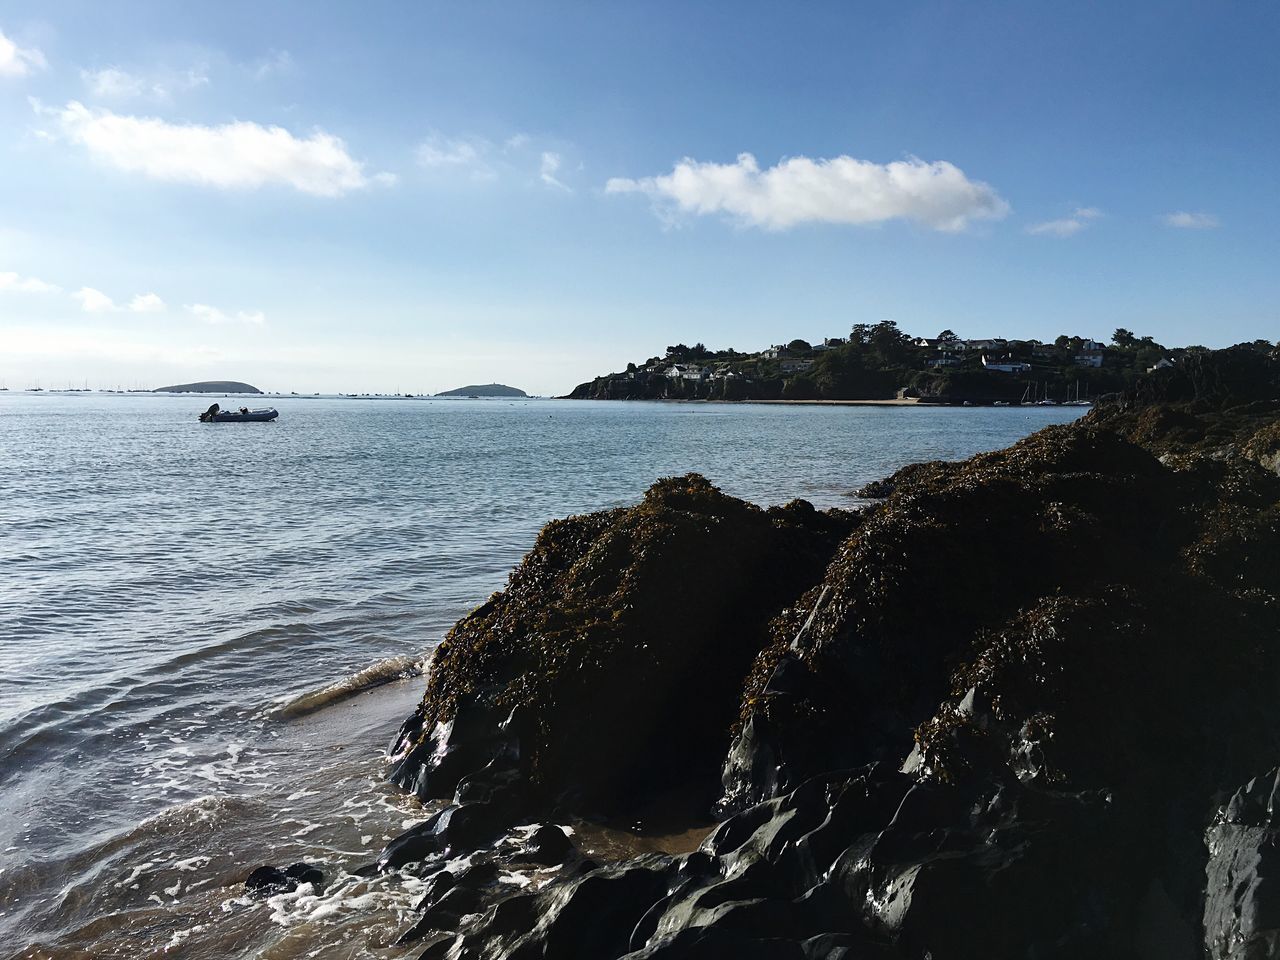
[
  {"x": 1123, "y": 338},
  {"x": 889, "y": 344},
  {"x": 860, "y": 335},
  {"x": 799, "y": 346},
  {"x": 698, "y": 351},
  {"x": 948, "y": 336},
  {"x": 1062, "y": 341}
]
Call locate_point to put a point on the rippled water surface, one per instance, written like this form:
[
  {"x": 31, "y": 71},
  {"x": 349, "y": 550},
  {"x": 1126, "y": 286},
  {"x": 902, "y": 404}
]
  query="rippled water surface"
[{"x": 179, "y": 598}]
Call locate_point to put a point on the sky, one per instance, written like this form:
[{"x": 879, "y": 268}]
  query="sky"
[{"x": 413, "y": 196}]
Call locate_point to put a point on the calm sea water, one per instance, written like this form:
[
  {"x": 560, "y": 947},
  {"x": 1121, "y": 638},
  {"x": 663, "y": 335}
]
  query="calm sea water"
[{"x": 182, "y": 605}]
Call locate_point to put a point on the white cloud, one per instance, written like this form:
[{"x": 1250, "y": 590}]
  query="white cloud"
[
  {"x": 112, "y": 83},
  {"x": 1190, "y": 221},
  {"x": 240, "y": 155},
  {"x": 836, "y": 190},
  {"x": 517, "y": 141},
  {"x": 95, "y": 301},
  {"x": 213, "y": 315},
  {"x": 146, "y": 303},
  {"x": 548, "y": 169},
  {"x": 277, "y": 62},
  {"x": 20, "y": 284},
  {"x": 16, "y": 61},
  {"x": 1067, "y": 226},
  {"x": 438, "y": 151}
]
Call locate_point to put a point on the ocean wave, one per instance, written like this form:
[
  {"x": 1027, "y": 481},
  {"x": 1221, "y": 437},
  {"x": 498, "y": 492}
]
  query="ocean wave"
[{"x": 374, "y": 675}]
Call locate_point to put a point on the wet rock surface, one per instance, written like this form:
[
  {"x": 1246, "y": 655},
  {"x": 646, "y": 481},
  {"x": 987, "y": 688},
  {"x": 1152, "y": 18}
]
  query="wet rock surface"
[
  {"x": 268, "y": 880},
  {"x": 1006, "y": 711}
]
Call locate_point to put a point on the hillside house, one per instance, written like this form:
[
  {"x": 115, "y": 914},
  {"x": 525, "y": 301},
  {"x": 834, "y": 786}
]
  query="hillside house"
[
  {"x": 798, "y": 365},
  {"x": 688, "y": 371},
  {"x": 1005, "y": 365},
  {"x": 996, "y": 343}
]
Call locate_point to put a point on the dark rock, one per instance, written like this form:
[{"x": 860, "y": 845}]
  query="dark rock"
[
  {"x": 1242, "y": 902},
  {"x": 549, "y": 846},
  {"x": 457, "y": 829},
  {"x": 617, "y": 700},
  {"x": 268, "y": 880}
]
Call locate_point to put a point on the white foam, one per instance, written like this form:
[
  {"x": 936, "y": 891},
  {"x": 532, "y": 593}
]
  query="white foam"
[{"x": 180, "y": 936}]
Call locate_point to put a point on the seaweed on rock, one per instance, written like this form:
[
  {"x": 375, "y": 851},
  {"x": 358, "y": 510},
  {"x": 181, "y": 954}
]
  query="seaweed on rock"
[{"x": 621, "y": 641}]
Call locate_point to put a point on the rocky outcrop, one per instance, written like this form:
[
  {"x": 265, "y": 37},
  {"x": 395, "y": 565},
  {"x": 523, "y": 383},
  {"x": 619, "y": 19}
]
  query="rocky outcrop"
[
  {"x": 1220, "y": 404},
  {"x": 1242, "y": 899},
  {"x": 1001, "y": 712},
  {"x": 608, "y": 672}
]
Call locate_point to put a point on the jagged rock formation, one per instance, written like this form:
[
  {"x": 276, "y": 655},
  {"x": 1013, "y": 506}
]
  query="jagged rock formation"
[{"x": 997, "y": 714}]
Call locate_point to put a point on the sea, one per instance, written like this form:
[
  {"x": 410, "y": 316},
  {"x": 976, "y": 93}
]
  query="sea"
[{"x": 210, "y": 632}]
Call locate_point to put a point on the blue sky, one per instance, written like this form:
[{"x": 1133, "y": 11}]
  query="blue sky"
[{"x": 411, "y": 196}]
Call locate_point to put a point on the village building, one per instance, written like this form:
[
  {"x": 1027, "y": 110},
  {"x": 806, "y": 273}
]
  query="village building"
[
  {"x": 1006, "y": 365},
  {"x": 796, "y": 365}
]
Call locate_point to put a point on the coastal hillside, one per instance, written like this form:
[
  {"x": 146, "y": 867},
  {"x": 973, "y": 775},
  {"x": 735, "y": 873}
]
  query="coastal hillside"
[
  {"x": 209, "y": 386},
  {"x": 880, "y": 361},
  {"x": 1020, "y": 705},
  {"x": 484, "y": 390}
]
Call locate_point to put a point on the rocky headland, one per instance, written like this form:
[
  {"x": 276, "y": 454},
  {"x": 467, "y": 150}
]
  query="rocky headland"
[{"x": 1027, "y": 705}]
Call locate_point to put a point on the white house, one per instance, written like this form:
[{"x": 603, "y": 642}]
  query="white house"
[
  {"x": 1163, "y": 364},
  {"x": 681, "y": 371},
  {"x": 1006, "y": 366},
  {"x": 1088, "y": 360}
]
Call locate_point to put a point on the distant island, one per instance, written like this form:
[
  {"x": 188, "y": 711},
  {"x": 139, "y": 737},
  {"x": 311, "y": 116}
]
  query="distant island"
[
  {"x": 881, "y": 362},
  {"x": 487, "y": 390},
  {"x": 209, "y": 386}
]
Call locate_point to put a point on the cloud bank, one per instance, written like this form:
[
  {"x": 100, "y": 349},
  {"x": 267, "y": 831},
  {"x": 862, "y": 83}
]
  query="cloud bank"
[
  {"x": 21, "y": 284},
  {"x": 240, "y": 155},
  {"x": 215, "y": 316},
  {"x": 438, "y": 151},
  {"x": 115, "y": 83},
  {"x": 16, "y": 61},
  {"x": 1067, "y": 226},
  {"x": 837, "y": 190},
  {"x": 1185, "y": 220},
  {"x": 95, "y": 301}
]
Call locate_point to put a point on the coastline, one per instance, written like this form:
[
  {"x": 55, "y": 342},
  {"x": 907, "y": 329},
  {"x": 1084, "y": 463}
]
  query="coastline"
[{"x": 974, "y": 787}]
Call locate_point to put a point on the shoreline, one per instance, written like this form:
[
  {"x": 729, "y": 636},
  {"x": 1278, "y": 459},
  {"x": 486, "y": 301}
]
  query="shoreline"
[{"x": 895, "y": 402}]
